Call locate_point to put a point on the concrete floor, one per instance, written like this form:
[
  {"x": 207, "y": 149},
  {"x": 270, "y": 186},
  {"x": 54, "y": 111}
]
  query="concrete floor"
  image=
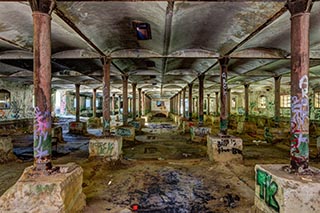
[{"x": 159, "y": 172}]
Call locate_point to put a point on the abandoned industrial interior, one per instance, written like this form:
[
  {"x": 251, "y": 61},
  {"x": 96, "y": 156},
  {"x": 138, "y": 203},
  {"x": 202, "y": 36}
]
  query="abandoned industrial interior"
[{"x": 160, "y": 106}]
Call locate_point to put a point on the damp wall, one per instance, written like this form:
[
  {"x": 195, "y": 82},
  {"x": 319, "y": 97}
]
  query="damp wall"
[{"x": 20, "y": 102}]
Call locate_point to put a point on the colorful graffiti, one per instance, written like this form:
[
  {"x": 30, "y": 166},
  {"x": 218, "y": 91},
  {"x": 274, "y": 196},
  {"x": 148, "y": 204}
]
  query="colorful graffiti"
[
  {"x": 300, "y": 127},
  {"x": 42, "y": 135},
  {"x": 103, "y": 149},
  {"x": 200, "y": 131},
  {"x": 268, "y": 189},
  {"x": 125, "y": 132},
  {"x": 229, "y": 145},
  {"x": 135, "y": 124}
]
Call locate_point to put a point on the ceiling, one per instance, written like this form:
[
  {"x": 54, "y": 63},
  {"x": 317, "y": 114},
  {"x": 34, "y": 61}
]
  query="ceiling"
[{"x": 187, "y": 39}]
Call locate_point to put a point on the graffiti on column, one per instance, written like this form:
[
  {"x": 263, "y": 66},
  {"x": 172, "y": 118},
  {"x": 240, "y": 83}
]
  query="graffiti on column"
[
  {"x": 106, "y": 125},
  {"x": 224, "y": 83},
  {"x": 63, "y": 104},
  {"x": 268, "y": 189},
  {"x": 300, "y": 125},
  {"x": 42, "y": 134}
]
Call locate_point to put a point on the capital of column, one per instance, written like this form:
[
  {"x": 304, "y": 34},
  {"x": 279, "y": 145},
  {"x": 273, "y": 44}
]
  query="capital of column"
[
  {"x": 223, "y": 61},
  {"x": 43, "y": 6},
  {"x": 125, "y": 77},
  {"x": 296, "y": 7}
]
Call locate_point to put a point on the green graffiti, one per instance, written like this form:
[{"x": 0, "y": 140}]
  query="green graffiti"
[
  {"x": 106, "y": 124},
  {"x": 103, "y": 148},
  {"x": 44, "y": 188},
  {"x": 268, "y": 189},
  {"x": 223, "y": 124},
  {"x": 123, "y": 132},
  {"x": 135, "y": 124}
]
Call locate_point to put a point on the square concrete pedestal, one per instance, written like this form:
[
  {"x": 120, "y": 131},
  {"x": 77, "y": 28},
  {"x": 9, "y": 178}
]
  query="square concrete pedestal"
[
  {"x": 38, "y": 193},
  {"x": 199, "y": 134},
  {"x": 224, "y": 148},
  {"x": 6, "y": 150},
  {"x": 278, "y": 191},
  {"x": 77, "y": 127},
  {"x": 126, "y": 132},
  {"x": 108, "y": 147}
]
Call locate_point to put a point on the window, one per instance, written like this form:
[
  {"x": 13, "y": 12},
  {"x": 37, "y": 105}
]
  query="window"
[
  {"x": 4, "y": 99},
  {"x": 317, "y": 100},
  {"x": 285, "y": 101},
  {"x": 262, "y": 102}
]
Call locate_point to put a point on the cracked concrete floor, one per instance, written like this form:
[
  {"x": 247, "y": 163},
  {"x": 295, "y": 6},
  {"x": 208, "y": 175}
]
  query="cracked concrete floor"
[{"x": 114, "y": 187}]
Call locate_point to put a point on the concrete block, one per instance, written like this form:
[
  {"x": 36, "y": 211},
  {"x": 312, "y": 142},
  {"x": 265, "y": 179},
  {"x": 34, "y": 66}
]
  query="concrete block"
[
  {"x": 199, "y": 134},
  {"x": 6, "y": 150},
  {"x": 78, "y": 127},
  {"x": 279, "y": 191},
  {"x": 224, "y": 148},
  {"x": 137, "y": 124},
  {"x": 126, "y": 132},
  {"x": 108, "y": 147},
  {"x": 94, "y": 122},
  {"x": 60, "y": 192}
]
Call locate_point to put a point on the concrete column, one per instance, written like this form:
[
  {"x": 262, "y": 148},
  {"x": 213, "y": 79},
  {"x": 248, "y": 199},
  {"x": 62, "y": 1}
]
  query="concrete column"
[
  {"x": 125, "y": 99},
  {"x": 208, "y": 104},
  {"x": 179, "y": 103},
  {"x": 246, "y": 101},
  {"x": 77, "y": 102},
  {"x": 217, "y": 103},
  {"x": 143, "y": 103},
  {"x": 106, "y": 96},
  {"x": 300, "y": 22},
  {"x": 113, "y": 104},
  {"x": 190, "y": 101},
  {"x": 119, "y": 104},
  {"x": 94, "y": 106},
  {"x": 42, "y": 148},
  {"x": 184, "y": 102},
  {"x": 200, "y": 101},
  {"x": 139, "y": 102},
  {"x": 277, "y": 82},
  {"x": 223, "y": 95},
  {"x": 229, "y": 102},
  {"x": 134, "y": 94},
  {"x": 194, "y": 104}
]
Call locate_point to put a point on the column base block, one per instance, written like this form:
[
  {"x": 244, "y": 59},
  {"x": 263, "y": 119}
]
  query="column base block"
[
  {"x": 6, "y": 150},
  {"x": 199, "y": 134},
  {"x": 35, "y": 192},
  {"x": 137, "y": 124},
  {"x": 126, "y": 132},
  {"x": 224, "y": 148},
  {"x": 78, "y": 127},
  {"x": 278, "y": 191},
  {"x": 108, "y": 147}
]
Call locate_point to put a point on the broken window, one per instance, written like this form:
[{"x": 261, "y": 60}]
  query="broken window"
[
  {"x": 262, "y": 102},
  {"x": 4, "y": 99},
  {"x": 285, "y": 101}
]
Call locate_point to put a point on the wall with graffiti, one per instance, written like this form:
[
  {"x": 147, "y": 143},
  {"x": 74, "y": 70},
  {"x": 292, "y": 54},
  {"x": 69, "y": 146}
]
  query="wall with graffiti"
[{"x": 21, "y": 101}]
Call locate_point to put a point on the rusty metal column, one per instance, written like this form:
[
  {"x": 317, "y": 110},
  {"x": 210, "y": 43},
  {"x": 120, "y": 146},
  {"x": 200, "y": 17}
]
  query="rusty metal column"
[
  {"x": 223, "y": 95},
  {"x": 42, "y": 147},
  {"x": 94, "y": 106},
  {"x": 217, "y": 103},
  {"x": 190, "y": 101},
  {"x": 77, "y": 102},
  {"x": 139, "y": 102},
  {"x": 200, "y": 101},
  {"x": 106, "y": 96},
  {"x": 246, "y": 101},
  {"x": 125, "y": 99},
  {"x": 184, "y": 102},
  {"x": 113, "y": 104},
  {"x": 277, "y": 82},
  {"x": 300, "y": 22},
  {"x": 179, "y": 103},
  {"x": 134, "y": 94},
  {"x": 208, "y": 104}
]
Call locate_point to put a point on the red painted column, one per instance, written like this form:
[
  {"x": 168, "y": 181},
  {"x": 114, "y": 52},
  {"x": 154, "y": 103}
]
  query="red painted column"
[
  {"x": 94, "y": 106},
  {"x": 224, "y": 95},
  {"x": 139, "y": 100},
  {"x": 300, "y": 20},
  {"x": 42, "y": 148},
  {"x": 77, "y": 102},
  {"x": 229, "y": 102},
  {"x": 246, "y": 101},
  {"x": 125, "y": 99},
  {"x": 277, "y": 82},
  {"x": 217, "y": 103},
  {"x": 200, "y": 104},
  {"x": 134, "y": 98},
  {"x": 106, "y": 96}
]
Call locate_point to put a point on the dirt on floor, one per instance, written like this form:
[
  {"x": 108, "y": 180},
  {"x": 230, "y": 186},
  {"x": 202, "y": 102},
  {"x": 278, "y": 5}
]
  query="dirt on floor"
[{"x": 160, "y": 173}]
